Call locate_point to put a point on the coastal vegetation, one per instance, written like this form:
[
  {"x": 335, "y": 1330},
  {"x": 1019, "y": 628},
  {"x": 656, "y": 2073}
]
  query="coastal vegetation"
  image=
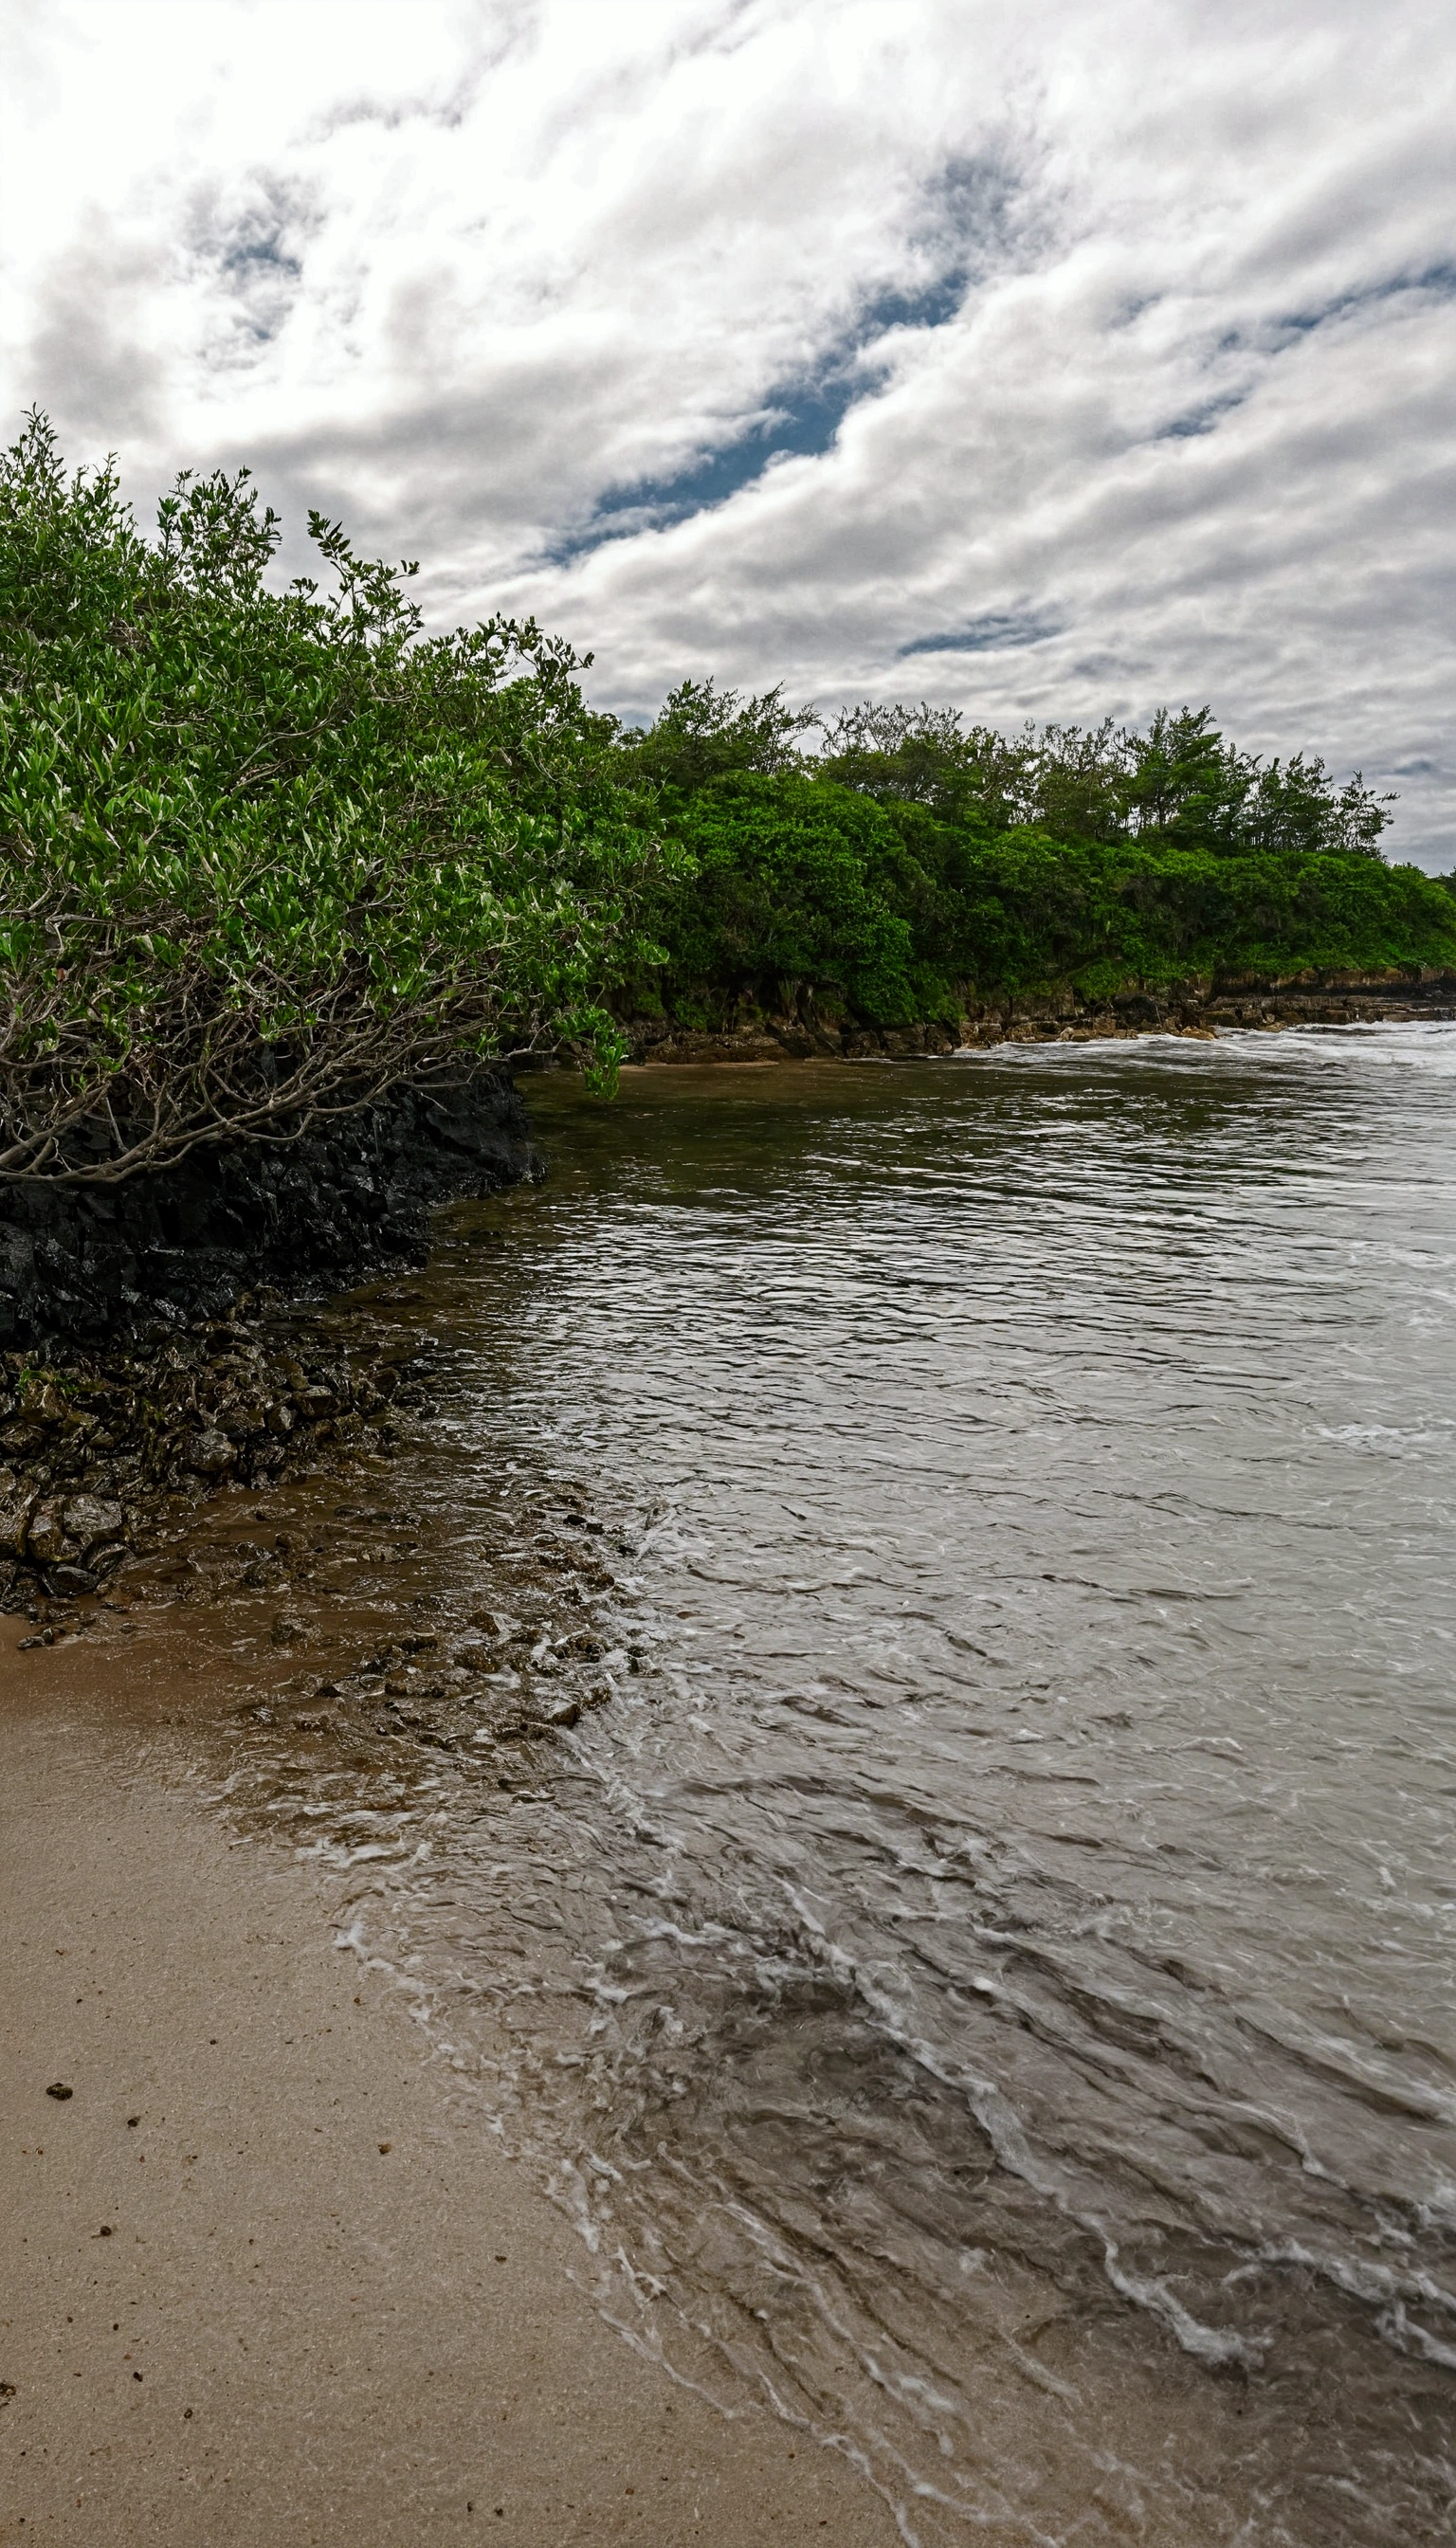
[
  {"x": 914, "y": 864},
  {"x": 268, "y": 854},
  {"x": 272, "y": 850}
]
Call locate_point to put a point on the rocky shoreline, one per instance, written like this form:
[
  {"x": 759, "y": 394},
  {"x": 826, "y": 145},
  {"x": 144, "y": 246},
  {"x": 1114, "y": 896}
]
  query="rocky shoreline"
[
  {"x": 805, "y": 1030},
  {"x": 101, "y": 1450},
  {"x": 155, "y": 1353}
]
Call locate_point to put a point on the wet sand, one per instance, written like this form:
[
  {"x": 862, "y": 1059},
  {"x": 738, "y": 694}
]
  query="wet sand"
[{"x": 296, "y": 2298}]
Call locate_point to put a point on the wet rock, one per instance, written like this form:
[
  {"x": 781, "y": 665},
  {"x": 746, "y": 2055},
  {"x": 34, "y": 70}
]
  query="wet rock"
[
  {"x": 492, "y": 1623},
  {"x": 14, "y": 1519},
  {"x": 72, "y": 1580},
  {"x": 477, "y": 1659},
  {"x": 209, "y": 1454},
  {"x": 91, "y": 1520},
  {"x": 46, "y": 1540}
]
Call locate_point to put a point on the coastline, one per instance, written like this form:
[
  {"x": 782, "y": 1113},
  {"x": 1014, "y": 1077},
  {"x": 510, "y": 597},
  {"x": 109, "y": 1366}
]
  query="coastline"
[
  {"x": 240, "y": 2317},
  {"x": 318, "y": 1616},
  {"x": 1197, "y": 1006},
  {"x": 121, "y": 1410}
]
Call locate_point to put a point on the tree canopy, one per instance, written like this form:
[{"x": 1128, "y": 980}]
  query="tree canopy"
[{"x": 911, "y": 860}]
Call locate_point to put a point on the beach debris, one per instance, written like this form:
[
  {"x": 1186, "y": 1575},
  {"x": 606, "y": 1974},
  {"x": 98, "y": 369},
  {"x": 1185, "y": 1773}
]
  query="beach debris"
[
  {"x": 60, "y": 2091},
  {"x": 7, "y": 2391}
]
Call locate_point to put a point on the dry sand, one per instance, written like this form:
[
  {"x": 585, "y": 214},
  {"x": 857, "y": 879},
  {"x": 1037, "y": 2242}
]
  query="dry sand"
[{"x": 262, "y": 2283}]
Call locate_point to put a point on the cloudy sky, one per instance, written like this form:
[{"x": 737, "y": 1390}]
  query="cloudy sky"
[{"x": 1048, "y": 358}]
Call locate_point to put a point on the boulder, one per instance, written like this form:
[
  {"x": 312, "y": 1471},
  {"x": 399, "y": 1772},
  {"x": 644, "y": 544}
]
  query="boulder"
[
  {"x": 209, "y": 1454},
  {"x": 91, "y": 1519}
]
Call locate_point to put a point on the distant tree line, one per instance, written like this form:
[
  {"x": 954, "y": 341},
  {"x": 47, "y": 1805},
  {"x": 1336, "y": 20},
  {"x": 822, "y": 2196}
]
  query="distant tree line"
[
  {"x": 899, "y": 859},
  {"x": 267, "y": 853}
]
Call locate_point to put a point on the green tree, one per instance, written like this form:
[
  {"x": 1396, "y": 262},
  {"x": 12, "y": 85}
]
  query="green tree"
[{"x": 267, "y": 853}]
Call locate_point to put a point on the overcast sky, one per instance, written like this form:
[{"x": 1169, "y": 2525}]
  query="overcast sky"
[{"x": 1047, "y": 358}]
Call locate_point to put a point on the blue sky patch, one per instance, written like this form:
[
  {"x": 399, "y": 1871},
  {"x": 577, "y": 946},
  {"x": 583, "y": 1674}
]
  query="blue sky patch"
[
  {"x": 987, "y": 636},
  {"x": 799, "y": 420}
]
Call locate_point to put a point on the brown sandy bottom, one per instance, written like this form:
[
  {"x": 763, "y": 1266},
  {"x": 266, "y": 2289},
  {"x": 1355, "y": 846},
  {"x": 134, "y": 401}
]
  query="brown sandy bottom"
[{"x": 263, "y": 2282}]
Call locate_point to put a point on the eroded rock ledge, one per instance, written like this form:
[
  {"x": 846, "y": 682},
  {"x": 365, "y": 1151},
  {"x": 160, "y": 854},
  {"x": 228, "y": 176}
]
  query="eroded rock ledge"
[
  {"x": 805, "y": 1031},
  {"x": 84, "y": 1262}
]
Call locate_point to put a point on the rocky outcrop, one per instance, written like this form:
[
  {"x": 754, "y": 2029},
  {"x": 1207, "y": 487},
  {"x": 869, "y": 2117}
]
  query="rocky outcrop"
[
  {"x": 805, "y": 1032},
  {"x": 84, "y": 1262},
  {"x": 150, "y": 1352}
]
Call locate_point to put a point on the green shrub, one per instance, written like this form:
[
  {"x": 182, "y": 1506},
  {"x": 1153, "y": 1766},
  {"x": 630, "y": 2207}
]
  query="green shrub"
[{"x": 268, "y": 853}]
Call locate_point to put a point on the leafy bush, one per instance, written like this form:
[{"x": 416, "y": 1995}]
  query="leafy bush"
[{"x": 268, "y": 853}]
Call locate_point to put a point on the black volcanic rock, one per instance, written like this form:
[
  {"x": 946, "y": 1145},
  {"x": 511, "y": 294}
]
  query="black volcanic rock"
[{"x": 81, "y": 1263}]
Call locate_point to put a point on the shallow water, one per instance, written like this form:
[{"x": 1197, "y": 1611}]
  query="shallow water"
[{"x": 985, "y": 1979}]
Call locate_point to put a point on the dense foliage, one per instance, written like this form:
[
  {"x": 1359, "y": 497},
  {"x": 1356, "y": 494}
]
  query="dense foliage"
[
  {"x": 913, "y": 863},
  {"x": 267, "y": 852}
]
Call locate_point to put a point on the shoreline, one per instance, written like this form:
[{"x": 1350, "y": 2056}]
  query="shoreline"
[
  {"x": 111, "y": 1442},
  {"x": 1058, "y": 1015},
  {"x": 243, "y": 2316}
]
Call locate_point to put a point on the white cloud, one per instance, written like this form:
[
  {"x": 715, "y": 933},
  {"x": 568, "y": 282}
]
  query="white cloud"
[{"x": 780, "y": 338}]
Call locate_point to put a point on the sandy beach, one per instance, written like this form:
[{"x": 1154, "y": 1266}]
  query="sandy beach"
[{"x": 261, "y": 2282}]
